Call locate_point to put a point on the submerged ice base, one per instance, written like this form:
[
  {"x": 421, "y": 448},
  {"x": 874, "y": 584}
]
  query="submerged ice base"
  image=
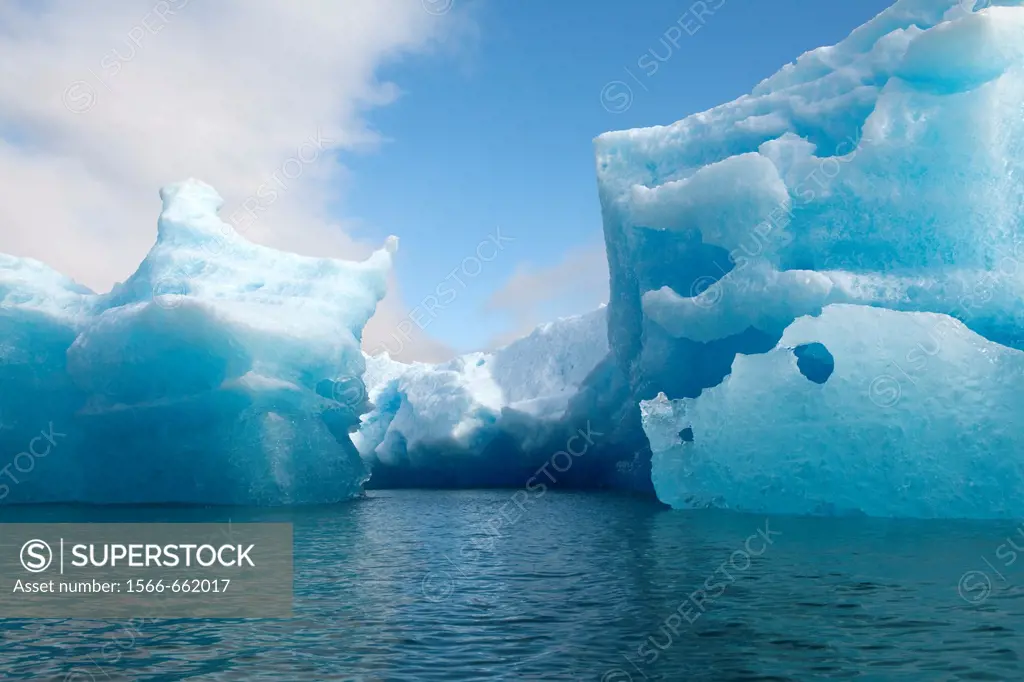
[
  {"x": 207, "y": 377},
  {"x": 883, "y": 172}
]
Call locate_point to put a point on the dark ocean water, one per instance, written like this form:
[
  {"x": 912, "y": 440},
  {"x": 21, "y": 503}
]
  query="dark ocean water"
[{"x": 416, "y": 585}]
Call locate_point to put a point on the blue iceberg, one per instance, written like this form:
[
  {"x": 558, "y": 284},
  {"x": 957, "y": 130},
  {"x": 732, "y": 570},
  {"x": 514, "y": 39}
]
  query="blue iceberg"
[
  {"x": 209, "y": 376},
  {"x": 825, "y": 225},
  {"x": 815, "y": 307}
]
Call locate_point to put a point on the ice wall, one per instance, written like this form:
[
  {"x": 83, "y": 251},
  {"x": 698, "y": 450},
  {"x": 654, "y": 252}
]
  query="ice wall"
[
  {"x": 884, "y": 171},
  {"x": 207, "y": 377}
]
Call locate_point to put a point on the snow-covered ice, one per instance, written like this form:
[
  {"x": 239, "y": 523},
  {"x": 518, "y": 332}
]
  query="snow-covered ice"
[{"x": 482, "y": 418}]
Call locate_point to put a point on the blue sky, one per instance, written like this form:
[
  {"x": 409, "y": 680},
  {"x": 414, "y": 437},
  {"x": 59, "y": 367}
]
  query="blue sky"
[
  {"x": 497, "y": 132},
  {"x": 491, "y": 133}
]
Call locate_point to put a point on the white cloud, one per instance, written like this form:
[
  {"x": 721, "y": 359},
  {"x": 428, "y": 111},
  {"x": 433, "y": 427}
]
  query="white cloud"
[
  {"x": 577, "y": 284},
  {"x": 103, "y": 103}
]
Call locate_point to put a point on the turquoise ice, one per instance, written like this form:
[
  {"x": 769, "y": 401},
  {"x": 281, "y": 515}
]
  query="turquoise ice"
[
  {"x": 885, "y": 172},
  {"x": 209, "y": 376}
]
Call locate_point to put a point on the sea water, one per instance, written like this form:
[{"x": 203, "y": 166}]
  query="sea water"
[{"x": 468, "y": 585}]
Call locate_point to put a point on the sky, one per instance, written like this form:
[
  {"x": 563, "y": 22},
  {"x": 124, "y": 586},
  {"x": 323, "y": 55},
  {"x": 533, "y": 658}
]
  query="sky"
[{"x": 464, "y": 127}]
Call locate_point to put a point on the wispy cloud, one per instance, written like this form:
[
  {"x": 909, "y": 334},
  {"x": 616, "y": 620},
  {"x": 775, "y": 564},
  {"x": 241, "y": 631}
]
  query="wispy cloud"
[
  {"x": 101, "y": 104},
  {"x": 576, "y": 284}
]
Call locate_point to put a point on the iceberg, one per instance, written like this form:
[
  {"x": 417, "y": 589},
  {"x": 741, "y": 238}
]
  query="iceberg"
[
  {"x": 820, "y": 227},
  {"x": 494, "y": 418},
  {"x": 212, "y": 375},
  {"x": 816, "y": 307}
]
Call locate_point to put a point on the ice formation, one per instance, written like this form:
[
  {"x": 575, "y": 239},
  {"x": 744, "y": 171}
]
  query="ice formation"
[
  {"x": 816, "y": 307},
  {"x": 882, "y": 172},
  {"x": 920, "y": 418},
  {"x": 209, "y": 376},
  {"x": 486, "y": 418}
]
